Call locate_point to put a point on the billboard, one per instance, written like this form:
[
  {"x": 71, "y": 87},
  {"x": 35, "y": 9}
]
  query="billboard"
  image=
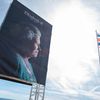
[{"x": 24, "y": 45}]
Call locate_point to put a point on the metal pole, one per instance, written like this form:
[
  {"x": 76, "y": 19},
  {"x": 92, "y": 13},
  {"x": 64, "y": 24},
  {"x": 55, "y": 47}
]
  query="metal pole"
[
  {"x": 43, "y": 93},
  {"x": 31, "y": 92},
  {"x": 97, "y": 45},
  {"x": 37, "y": 92}
]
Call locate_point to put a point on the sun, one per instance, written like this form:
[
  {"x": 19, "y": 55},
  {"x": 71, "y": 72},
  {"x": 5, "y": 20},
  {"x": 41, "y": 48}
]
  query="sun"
[{"x": 72, "y": 41}]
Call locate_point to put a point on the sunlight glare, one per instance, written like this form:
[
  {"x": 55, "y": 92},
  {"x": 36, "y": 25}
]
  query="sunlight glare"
[{"x": 73, "y": 26}]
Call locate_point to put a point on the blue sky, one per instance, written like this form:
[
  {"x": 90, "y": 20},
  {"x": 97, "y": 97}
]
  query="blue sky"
[
  {"x": 13, "y": 90},
  {"x": 73, "y": 68}
]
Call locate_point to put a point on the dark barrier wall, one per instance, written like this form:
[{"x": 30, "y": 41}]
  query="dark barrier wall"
[{"x": 24, "y": 45}]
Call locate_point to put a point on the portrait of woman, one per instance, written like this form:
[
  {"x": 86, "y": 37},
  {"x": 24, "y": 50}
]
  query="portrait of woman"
[{"x": 18, "y": 43}]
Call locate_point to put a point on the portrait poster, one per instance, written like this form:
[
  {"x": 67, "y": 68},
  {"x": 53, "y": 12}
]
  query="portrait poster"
[{"x": 24, "y": 45}]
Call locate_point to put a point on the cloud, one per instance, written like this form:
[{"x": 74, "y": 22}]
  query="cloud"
[{"x": 15, "y": 96}]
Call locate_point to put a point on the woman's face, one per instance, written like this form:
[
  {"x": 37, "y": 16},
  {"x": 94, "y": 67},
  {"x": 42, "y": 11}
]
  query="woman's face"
[{"x": 36, "y": 47}]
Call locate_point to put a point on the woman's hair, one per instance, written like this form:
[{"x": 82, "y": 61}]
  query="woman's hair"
[{"x": 21, "y": 36}]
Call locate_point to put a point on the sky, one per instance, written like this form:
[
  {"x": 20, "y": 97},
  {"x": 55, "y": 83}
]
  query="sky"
[
  {"x": 14, "y": 91},
  {"x": 73, "y": 66}
]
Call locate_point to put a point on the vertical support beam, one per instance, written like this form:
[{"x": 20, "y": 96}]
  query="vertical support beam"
[{"x": 37, "y": 92}]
